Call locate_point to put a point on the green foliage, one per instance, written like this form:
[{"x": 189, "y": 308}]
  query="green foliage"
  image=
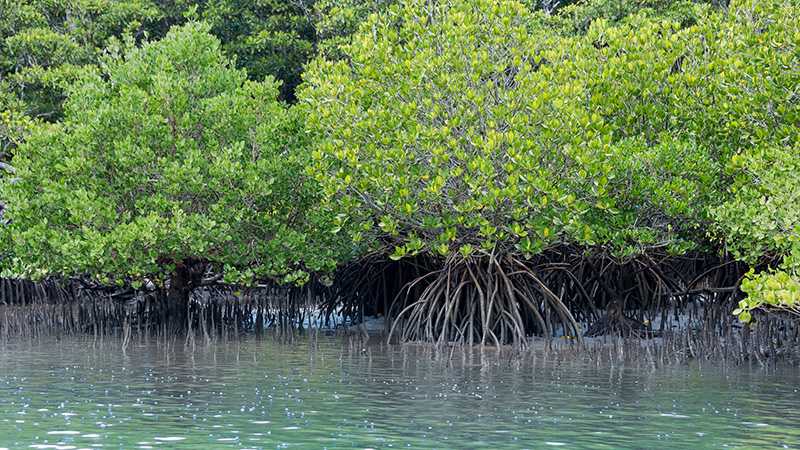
[
  {"x": 267, "y": 37},
  {"x": 762, "y": 217},
  {"x": 576, "y": 18},
  {"x": 758, "y": 117},
  {"x": 762, "y": 223},
  {"x": 167, "y": 154},
  {"x": 44, "y": 43},
  {"x": 14, "y": 126},
  {"x": 442, "y": 128},
  {"x": 482, "y": 125},
  {"x": 774, "y": 290},
  {"x": 468, "y": 129},
  {"x": 336, "y": 21},
  {"x": 14, "y": 123}
]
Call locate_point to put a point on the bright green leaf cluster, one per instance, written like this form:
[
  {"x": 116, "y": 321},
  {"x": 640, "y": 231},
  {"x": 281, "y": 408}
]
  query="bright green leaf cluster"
[
  {"x": 777, "y": 290},
  {"x": 166, "y": 155},
  {"x": 467, "y": 123}
]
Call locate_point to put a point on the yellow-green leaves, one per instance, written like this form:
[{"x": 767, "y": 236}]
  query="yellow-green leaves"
[
  {"x": 429, "y": 105},
  {"x": 755, "y": 126},
  {"x": 776, "y": 290},
  {"x": 525, "y": 138}
]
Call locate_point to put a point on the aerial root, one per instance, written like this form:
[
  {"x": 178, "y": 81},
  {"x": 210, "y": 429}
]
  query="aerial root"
[{"x": 481, "y": 300}]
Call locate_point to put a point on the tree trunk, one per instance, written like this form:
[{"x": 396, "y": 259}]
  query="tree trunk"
[{"x": 187, "y": 276}]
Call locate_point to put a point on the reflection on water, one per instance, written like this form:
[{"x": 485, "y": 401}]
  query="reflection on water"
[{"x": 328, "y": 393}]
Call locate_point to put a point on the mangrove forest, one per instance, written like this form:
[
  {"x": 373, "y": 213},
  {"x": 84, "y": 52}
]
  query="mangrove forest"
[{"x": 476, "y": 173}]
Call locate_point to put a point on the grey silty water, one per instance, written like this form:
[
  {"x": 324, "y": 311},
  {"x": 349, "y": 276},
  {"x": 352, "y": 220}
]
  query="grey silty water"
[{"x": 330, "y": 393}]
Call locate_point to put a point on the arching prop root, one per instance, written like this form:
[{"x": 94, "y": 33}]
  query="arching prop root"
[
  {"x": 644, "y": 296},
  {"x": 480, "y": 300},
  {"x": 503, "y": 299}
]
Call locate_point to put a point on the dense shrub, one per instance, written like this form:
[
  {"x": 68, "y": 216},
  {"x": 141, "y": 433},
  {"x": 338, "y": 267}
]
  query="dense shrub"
[
  {"x": 168, "y": 159},
  {"x": 473, "y": 133},
  {"x": 267, "y": 37},
  {"x": 467, "y": 130},
  {"x": 337, "y": 20},
  {"x": 757, "y": 106},
  {"x": 44, "y": 44}
]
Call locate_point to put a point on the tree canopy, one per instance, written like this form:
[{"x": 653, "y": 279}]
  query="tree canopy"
[
  {"x": 43, "y": 44},
  {"x": 167, "y": 155},
  {"x": 470, "y": 128}
]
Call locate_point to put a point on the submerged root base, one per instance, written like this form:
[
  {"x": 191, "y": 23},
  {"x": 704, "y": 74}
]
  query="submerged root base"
[{"x": 564, "y": 293}]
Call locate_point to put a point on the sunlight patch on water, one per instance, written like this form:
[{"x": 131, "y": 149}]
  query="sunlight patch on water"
[
  {"x": 53, "y": 446},
  {"x": 755, "y": 424}
]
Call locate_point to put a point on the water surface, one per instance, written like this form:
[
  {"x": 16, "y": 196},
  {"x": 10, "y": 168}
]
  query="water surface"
[{"x": 326, "y": 392}]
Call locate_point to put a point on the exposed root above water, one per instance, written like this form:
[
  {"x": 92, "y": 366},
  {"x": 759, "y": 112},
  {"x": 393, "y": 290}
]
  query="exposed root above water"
[
  {"x": 66, "y": 307},
  {"x": 483, "y": 300},
  {"x": 490, "y": 300},
  {"x": 619, "y": 326}
]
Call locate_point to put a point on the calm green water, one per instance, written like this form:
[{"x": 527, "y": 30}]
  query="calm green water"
[{"x": 327, "y": 393}]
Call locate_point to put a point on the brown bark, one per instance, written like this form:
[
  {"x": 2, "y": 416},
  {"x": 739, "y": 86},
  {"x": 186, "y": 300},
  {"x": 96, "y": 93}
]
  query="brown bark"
[{"x": 187, "y": 276}]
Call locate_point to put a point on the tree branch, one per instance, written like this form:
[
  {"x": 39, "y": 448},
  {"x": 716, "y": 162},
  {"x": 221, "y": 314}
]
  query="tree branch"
[{"x": 7, "y": 167}]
